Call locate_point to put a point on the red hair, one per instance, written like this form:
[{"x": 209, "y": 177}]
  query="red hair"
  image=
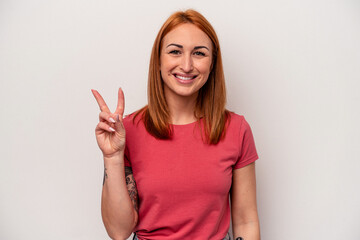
[{"x": 211, "y": 100}]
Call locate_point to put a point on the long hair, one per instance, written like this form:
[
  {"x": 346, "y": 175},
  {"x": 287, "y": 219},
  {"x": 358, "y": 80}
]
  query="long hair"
[{"x": 211, "y": 100}]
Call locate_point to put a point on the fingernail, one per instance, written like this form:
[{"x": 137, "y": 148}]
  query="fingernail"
[
  {"x": 111, "y": 129},
  {"x": 112, "y": 120}
]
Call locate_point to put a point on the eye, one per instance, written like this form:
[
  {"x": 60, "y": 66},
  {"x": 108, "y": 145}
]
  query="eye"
[
  {"x": 199, "y": 53},
  {"x": 174, "y": 52}
]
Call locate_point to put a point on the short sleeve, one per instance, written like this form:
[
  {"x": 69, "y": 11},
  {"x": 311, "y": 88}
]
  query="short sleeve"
[
  {"x": 127, "y": 162},
  {"x": 247, "y": 153},
  {"x": 127, "y": 121}
]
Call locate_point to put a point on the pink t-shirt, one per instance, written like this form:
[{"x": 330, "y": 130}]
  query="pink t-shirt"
[{"x": 184, "y": 183}]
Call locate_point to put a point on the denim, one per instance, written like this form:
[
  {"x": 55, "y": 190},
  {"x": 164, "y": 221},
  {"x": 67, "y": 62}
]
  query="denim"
[{"x": 226, "y": 238}]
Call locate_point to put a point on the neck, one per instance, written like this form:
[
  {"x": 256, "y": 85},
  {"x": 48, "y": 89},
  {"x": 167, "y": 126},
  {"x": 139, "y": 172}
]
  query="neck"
[{"x": 181, "y": 108}]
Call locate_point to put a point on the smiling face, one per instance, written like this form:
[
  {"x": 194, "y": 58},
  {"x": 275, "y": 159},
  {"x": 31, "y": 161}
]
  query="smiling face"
[{"x": 185, "y": 61}]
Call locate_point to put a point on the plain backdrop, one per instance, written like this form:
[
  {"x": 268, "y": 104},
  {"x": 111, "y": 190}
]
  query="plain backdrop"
[{"x": 292, "y": 69}]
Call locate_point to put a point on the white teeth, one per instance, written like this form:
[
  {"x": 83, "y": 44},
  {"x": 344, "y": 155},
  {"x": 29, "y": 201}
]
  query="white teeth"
[{"x": 184, "y": 78}]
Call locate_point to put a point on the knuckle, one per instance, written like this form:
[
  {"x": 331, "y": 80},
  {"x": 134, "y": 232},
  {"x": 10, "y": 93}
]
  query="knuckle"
[{"x": 103, "y": 114}]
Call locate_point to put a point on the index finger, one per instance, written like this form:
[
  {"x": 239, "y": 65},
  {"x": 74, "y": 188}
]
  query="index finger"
[
  {"x": 121, "y": 103},
  {"x": 100, "y": 101}
]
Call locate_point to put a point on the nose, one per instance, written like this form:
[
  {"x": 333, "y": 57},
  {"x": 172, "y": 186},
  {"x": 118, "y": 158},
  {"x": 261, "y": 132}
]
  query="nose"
[{"x": 187, "y": 63}]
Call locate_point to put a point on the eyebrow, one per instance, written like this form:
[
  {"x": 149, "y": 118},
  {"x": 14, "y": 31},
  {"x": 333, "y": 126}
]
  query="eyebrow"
[{"x": 180, "y": 46}]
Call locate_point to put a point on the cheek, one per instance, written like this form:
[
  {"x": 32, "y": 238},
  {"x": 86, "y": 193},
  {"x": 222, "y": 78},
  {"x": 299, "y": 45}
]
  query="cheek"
[
  {"x": 167, "y": 63},
  {"x": 205, "y": 67},
  {"x": 165, "y": 68}
]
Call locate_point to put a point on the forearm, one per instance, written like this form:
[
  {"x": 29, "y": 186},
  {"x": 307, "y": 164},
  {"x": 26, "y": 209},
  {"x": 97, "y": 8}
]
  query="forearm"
[
  {"x": 118, "y": 212},
  {"x": 248, "y": 231}
]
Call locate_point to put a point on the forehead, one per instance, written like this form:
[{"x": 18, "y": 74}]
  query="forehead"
[{"x": 187, "y": 34}]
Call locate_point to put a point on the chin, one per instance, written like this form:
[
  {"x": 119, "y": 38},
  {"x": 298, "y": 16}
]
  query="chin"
[{"x": 187, "y": 94}]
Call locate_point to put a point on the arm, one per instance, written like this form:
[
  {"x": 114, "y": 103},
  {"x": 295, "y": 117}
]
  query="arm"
[
  {"x": 131, "y": 187},
  {"x": 118, "y": 206},
  {"x": 119, "y": 200},
  {"x": 243, "y": 204}
]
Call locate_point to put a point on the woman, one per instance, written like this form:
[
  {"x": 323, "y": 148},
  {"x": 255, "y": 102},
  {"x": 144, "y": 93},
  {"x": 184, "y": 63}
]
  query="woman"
[{"x": 186, "y": 152}]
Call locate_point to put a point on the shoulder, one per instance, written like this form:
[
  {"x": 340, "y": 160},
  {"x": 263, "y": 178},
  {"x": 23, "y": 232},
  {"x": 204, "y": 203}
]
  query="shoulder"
[
  {"x": 235, "y": 120},
  {"x": 128, "y": 119},
  {"x": 133, "y": 119},
  {"x": 236, "y": 116},
  {"x": 237, "y": 123},
  {"x": 133, "y": 124}
]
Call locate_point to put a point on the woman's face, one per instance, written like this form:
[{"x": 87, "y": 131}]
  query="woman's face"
[{"x": 185, "y": 61}]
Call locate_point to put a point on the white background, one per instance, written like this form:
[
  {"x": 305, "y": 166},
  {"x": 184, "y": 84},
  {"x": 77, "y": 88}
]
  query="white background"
[{"x": 292, "y": 69}]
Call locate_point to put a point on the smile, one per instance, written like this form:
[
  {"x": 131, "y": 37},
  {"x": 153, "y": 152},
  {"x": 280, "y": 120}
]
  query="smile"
[{"x": 185, "y": 79}]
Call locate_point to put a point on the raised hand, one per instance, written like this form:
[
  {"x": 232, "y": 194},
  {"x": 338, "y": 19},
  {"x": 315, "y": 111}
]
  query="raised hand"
[{"x": 110, "y": 131}]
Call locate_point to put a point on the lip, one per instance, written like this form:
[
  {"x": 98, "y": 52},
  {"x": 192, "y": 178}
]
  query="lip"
[{"x": 185, "y": 78}]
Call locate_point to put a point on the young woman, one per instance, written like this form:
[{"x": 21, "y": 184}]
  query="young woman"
[{"x": 185, "y": 151}]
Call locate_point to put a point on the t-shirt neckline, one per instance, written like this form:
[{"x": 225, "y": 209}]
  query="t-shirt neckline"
[{"x": 185, "y": 125}]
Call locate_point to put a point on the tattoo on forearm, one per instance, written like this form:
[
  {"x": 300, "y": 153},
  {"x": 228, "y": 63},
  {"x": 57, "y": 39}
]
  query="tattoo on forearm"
[
  {"x": 131, "y": 186},
  {"x": 239, "y": 238},
  {"x": 105, "y": 175}
]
